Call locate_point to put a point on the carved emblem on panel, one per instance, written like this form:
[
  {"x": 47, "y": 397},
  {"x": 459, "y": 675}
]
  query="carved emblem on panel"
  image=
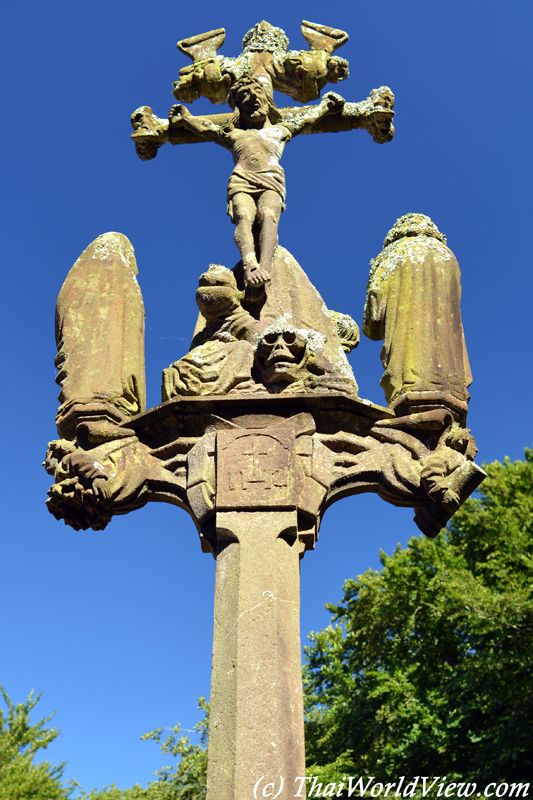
[{"x": 256, "y": 469}]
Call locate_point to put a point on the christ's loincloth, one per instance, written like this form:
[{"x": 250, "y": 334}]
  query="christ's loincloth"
[{"x": 255, "y": 183}]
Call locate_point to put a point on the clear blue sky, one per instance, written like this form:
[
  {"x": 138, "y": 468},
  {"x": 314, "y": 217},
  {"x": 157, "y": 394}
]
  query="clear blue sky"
[{"x": 116, "y": 626}]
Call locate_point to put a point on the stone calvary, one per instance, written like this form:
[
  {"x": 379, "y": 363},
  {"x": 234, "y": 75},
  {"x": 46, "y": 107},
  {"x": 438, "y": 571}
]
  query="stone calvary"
[{"x": 261, "y": 428}]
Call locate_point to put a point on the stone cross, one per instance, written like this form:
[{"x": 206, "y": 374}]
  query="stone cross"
[
  {"x": 261, "y": 427},
  {"x": 257, "y": 131}
]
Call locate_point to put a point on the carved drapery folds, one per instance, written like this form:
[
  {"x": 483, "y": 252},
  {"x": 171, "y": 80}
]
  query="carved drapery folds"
[
  {"x": 100, "y": 336},
  {"x": 413, "y": 305}
]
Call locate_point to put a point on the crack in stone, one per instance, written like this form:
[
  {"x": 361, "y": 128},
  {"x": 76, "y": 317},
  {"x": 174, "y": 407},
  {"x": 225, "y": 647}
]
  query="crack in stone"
[{"x": 262, "y": 603}]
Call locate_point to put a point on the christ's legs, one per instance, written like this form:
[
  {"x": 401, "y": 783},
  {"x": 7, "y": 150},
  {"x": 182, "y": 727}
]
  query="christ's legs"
[
  {"x": 244, "y": 213},
  {"x": 268, "y": 214}
]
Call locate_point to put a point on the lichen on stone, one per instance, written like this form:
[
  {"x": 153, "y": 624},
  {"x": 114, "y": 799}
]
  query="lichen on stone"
[
  {"x": 413, "y": 225},
  {"x": 411, "y": 237},
  {"x": 266, "y": 38},
  {"x": 314, "y": 339}
]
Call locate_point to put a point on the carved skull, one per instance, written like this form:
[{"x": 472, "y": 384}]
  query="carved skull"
[{"x": 281, "y": 357}]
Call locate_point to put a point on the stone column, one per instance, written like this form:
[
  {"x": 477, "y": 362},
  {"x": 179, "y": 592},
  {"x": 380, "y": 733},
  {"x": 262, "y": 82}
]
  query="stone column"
[{"x": 256, "y": 735}]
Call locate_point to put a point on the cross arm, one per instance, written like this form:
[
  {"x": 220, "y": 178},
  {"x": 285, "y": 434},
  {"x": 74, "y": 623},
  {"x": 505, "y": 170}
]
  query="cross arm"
[
  {"x": 374, "y": 114},
  {"x": 307, "y": 116},
  {"x": 203, "y": 126}
]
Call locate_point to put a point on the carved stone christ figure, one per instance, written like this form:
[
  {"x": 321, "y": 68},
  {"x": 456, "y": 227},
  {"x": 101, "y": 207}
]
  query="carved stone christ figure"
[{"x": 256, "y": 136}]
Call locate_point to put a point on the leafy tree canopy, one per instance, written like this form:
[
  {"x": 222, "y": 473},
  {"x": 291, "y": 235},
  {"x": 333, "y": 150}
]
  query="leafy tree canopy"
[
  {"x": 426, "y": 669},
  {"x": 22, "y": 779},
  {"x": 20, "y": 741}
]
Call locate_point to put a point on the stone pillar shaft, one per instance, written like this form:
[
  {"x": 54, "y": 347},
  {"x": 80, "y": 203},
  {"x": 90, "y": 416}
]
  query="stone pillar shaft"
[{"x": 256, "y": 718}]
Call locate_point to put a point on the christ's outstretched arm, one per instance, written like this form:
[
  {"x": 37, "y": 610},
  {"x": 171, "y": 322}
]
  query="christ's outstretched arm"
[
  {"x": 330, "y": 103},
  {"x": 181, "y": 116}
]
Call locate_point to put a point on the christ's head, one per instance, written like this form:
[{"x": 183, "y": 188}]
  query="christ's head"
[{"x": 252, "y": 100}]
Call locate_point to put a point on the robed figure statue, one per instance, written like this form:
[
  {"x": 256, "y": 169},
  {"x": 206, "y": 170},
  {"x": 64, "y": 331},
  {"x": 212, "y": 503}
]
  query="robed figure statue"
[{"x": 413, "y": 305}]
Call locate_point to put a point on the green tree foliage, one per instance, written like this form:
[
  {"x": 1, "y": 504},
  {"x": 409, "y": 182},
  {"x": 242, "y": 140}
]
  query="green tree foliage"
[
  {"x": 427, "y": 669},
  {"x": 184, "y": 781},
  {"x": 114, "y": 793},
  {"x": 22, "y": 779},
  {"x": 20, "y": 741}
]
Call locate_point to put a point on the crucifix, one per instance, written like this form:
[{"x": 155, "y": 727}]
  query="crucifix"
[
  {"x": 261, "y": 427},
  {"x": 257, "y": 131}
]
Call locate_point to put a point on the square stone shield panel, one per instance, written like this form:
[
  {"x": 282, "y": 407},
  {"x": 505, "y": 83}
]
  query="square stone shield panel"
[{"x": 256, "y": 469}]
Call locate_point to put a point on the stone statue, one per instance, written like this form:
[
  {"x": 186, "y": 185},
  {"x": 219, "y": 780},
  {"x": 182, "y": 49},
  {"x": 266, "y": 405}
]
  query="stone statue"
[
  {"x": 256, "y": 136},
  {"x": 222, "y": 353},
  {"x": 100, "y": 336},
  {"x": 261, "y": 428},
  {"x": 413, "y": 305}
]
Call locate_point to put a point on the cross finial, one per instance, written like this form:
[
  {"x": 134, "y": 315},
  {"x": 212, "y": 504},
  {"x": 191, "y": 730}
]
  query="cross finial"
[{"x": 300, "y": 74}]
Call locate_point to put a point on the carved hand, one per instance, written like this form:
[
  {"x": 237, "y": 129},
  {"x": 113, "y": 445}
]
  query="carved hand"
[
  {"x": 334, "y": 102},
  {"x": 176, "y": 114}
]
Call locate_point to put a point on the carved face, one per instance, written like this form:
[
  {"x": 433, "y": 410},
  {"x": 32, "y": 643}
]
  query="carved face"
[
  {"x": 141, "y": 118},
  {"x": 337, "y": 69},
  {"x": 281, "y": 357},
  {"x": 382, "y": 97},
  {"x": 252, "y": 103},
  {"x": 217, "y": 296}
]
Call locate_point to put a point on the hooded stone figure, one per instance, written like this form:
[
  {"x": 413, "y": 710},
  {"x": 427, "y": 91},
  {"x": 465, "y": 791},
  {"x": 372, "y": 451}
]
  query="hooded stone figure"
[
  {"x": 222, "y": 350},
  {"x": 100, "y": 337},
  {"x": 413, "y": 305}
]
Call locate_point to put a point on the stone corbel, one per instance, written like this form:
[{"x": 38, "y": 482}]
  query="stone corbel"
[
  {"x": 114, "y": 477},
  {"x": 423, "y": 460}
]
